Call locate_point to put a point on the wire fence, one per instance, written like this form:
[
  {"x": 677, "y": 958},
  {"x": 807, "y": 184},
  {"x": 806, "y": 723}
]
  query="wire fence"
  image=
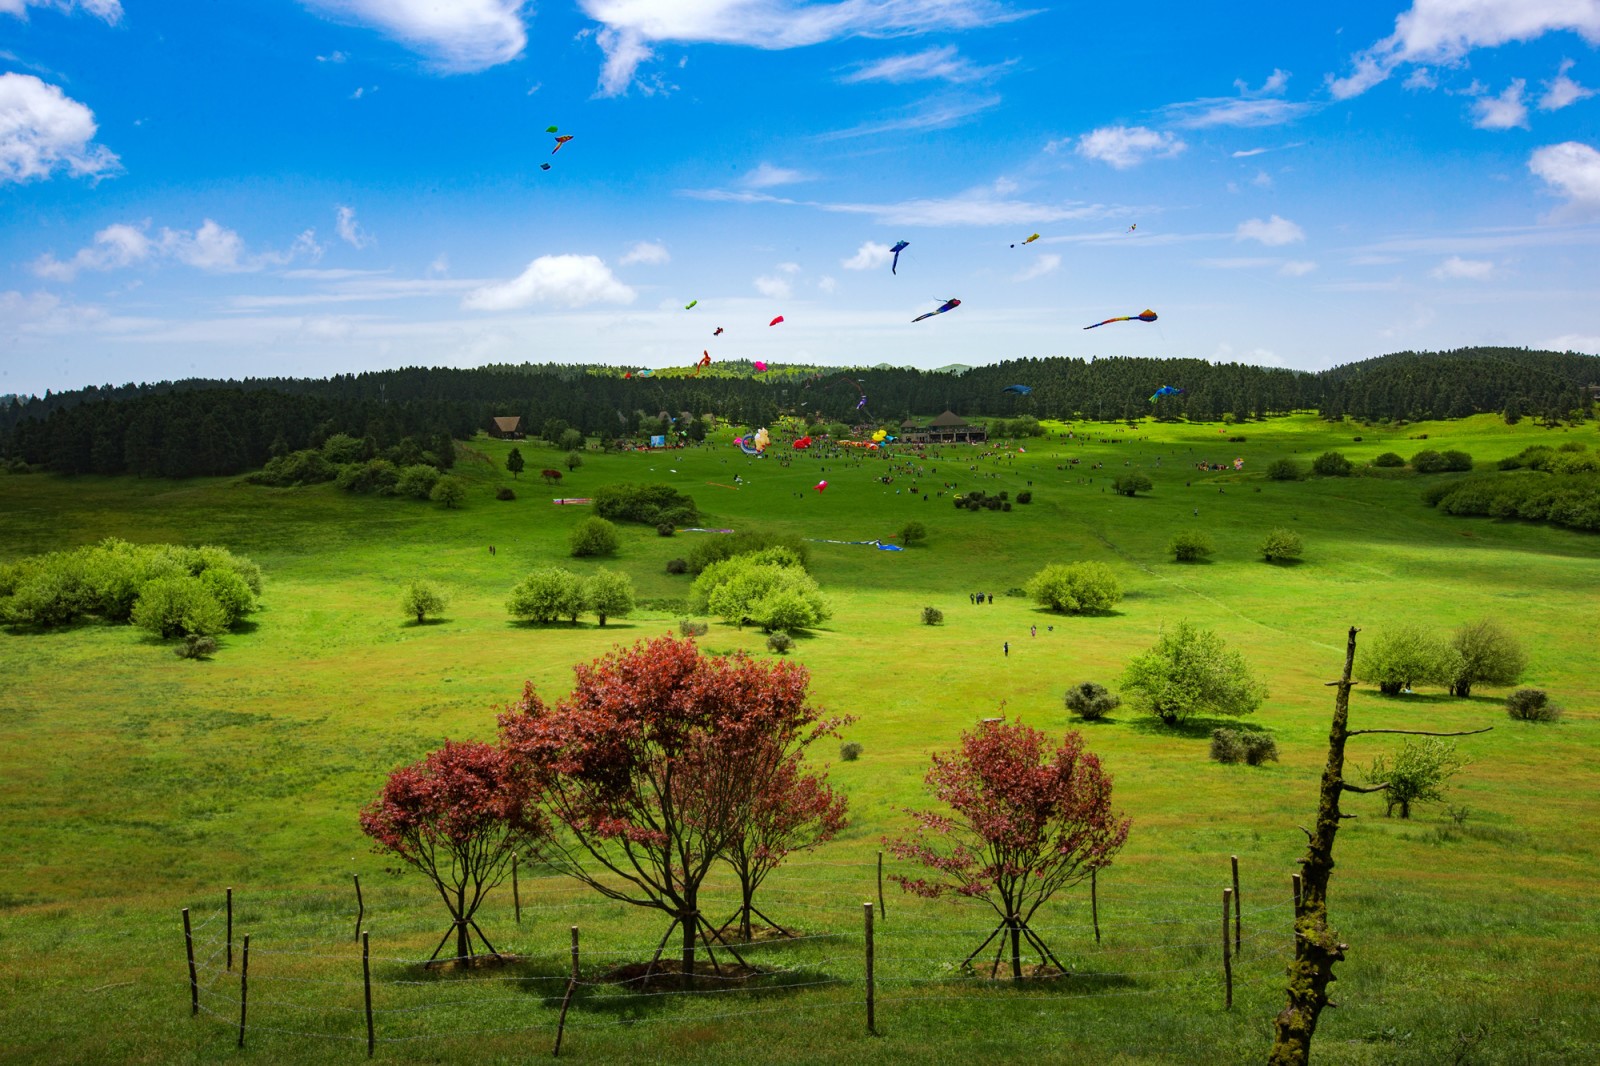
[{"x": 309, "y": 973}]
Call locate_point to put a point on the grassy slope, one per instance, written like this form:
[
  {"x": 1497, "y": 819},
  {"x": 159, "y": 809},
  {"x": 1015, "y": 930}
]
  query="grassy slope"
[{"x": 131, "y": 781}]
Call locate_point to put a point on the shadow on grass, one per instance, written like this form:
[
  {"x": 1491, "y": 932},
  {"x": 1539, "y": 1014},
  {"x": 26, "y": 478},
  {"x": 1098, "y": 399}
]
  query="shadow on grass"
[
  {"x": 1284, "y": 564},
  {"x": 1194, "y": 728},
  {"x": 621, "y": 994},
  {"x": 414, "y": 624}
]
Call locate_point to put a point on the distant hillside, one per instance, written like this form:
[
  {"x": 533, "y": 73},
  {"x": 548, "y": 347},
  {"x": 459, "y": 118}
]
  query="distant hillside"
[{"x": 184, "y": 428}]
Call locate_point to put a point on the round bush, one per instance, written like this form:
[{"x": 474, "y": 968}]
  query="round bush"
[
  {"x": 1025, "y": 496},
  {"x": 932, "y": 616},
  {"x": 1190, "y": 545},
  {"x": 1389, "y": 459},
  {"x": 1259, "y": 748},
  {"x": 1532, "y": 705},
  {"x": 1284, "y": 470},
  {"x": 1075, "y": 587},
  {"x": 1332, "y": 464},
  {"x": 504, "y": 493},
  {"x": 1280, "y": 545},
  {"x": 1226, "y": 745},
  {"x": 677, "y": 566},
  {"x": 687, "y": 628},
  {"x": 1130, "y": 483},
  {"x": 780, "y": 641},
  {"x": 1091, "y": 701},
  {"x": 593, "y": 536},
  {"x": 850, "y": 751}
]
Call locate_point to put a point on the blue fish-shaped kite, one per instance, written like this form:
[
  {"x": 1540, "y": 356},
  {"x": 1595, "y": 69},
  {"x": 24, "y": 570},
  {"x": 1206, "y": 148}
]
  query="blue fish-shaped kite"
[
  {"x": 949, "y": 305},
  {"x": 1165, "y": 390},
  {"x": 1021, "y": 390},
  {"x": 899, "y": 247}
]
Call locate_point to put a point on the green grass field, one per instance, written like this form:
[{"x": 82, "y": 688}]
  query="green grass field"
[{"x": 133, "y": 783}]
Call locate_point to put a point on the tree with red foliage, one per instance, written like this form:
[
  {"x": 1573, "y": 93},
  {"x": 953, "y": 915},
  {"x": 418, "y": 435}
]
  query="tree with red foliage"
[
  {"x": 795, "y": 811},
  {"x": 458, "y": 816},
  {"x": 1023, "y": 829},
  {"x": 654, "y": 763}
]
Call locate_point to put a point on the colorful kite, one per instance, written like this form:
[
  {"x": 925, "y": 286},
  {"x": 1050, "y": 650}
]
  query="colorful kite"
[
  {"x": 1146, "y": 315},
  {"x": 821, "y": 485},
  {"x": 717, "y": 332},
  {"x": 1165, "y": 390},
  {"x": 1027, "y": 240},
  {"x": 646, "y": 373},
  {"x": 551, "y": 129},
  {"x": 1021, "y": 390},
  {"x": 1133, "y": 227},
  {"x": 949, "y": 305},
  {"x": 1238, "y": 464},
  {"x": 560, "y": 140},
  {"x": 899, "y": 247},
  {"x": 544, "y": 166},
  {"x": 775, "y": 321},
  {"x": 761, "y": 368},
  {"x": 690, "y": 304},
  {"x": 802, "y": 443}
]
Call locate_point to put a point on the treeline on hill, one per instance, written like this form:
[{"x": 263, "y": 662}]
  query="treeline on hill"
[{"x": 200, "y": 427}]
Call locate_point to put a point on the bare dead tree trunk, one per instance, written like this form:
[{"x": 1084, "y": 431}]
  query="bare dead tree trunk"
[{"x": 1316, "y": 947}]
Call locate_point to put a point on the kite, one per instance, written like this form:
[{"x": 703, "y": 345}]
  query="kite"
[
  {"x": 1165, "y": 390},
  {"x": 1238, "y": 464},
  {"x": 1027, "y": 240},
  {"x": 705, "y": 361},
  {"x": 1020, "y": 390},
  {"x": 762, "y": 439},
  {"x": 775, "y": 321},
  {"x": 1146, "y": 315},
  {"x": 879, "y": 435},
  {"x": 801, "y": 443},
  {"x": 1133, "y": 227},
  {"x": 551, "y": 129},
  {"x": 544, "y": 166},
  {"x": 890, "y": 548},
  {"x": 761, "y": 368},
  {"x": 560, "y": 140},
  {"x": 717, "y": 332},
  {"x": 646, "y": 373},
  {"x": 861, "y": 402},
  {"x": 949, "y": 305},
  {"x": 821, "y": 485},
  {"x": 899, "y": 247},
  {"x": 690, "y": 304}
]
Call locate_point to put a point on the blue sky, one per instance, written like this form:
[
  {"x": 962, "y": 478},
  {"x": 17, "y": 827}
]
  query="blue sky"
[{"x": 307, "y": 188}]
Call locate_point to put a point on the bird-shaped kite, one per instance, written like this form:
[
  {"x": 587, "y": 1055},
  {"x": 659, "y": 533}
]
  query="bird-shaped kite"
[
  {"x": 1027, "y": 240},
  {"x": 899, "y": 247},
  {"x": 717, "y": 332},
  {"x": 560, "y": 140},
  {"x": 775, "y": 321},
  {"x": 949, "y": 305},
  {"x": 1021, "y": 390},
  {"x": 1165, "y": 390},
  {"x": 1146, "y": 315}
]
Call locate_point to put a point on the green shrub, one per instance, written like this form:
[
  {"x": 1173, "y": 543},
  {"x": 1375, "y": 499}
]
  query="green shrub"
[
  {"x": 417, "y": 481},
  {"x": 609, "y": 594},
  {"x": 504, "y": 492},
  {"x": 1457, "y": 460},
  {"x": 1390, "y": 459},
  {"x": 1190, "y": 545},
  {"x": 1191, "y": 671},
  {"x": 421, "y": 598},
  {"x": 1532, "y": 705},
  {"x": 780, "y": 642},
  {"x": 546, "y": 595},
  {"x": 450, "y": 491},
  {"x": 650, "y": 504},
  {"x": 1281, "y": 545},
  {"x": 666, "y": 529},
  {"x": 932, "y": 616},
  {"x": 716, "y": 549},
  {"x": 913, "y": 533},
  {"x": 1400, "y": 656},
  {"x": 1091, "y": 701},
  {"x": 677, "y": 566},
  {"x": 1130, "y": 483},
  {"x": 849, "y": 751},
  {"x": 1075, "y": 587},
  {"x": 196, "y": 646},
  {"x": 375, "y": 476},
  {"x": 1284, "y": 470},
  {"x": 231, "y": 592},
  {"x": 1259, "y": 748},
  {"x": 1025, "y": 496},
  {"x": 687, "y": 628},
  {"x": 1226, "y": 745},
  {"x": 178, "y": 606},
  {"x": 593, "y": 536},
  {"x": 1331, "y": 464}
]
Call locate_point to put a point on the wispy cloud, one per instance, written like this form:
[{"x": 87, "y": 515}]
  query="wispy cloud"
[
  {"x": 1048, "y": 263},
  {"x": 1457, "y": 268},
  {"x": 1251, "y": 108},
  {"x": 1441, "y": 32},
  {"x": 870, "y": 256},
  {"x": 773, "y": 287},
  {"x": 108, "y": 10},
  {"x": 767, "y": 176},
  {"x": 1503, "y": 112},
  {"x": 562, "y": 280},
  {"x": 1247, "y": 153},
  {"x": 933, "y": 64},
  {"x": 1126, "y": 146},
  {"x": 935, "y": 114},
  {"x": 456, "y": 37},
  {"x": 645, "y": 252},
  {"x": 43, "y": 130},
  {"x": 981, "y": 206},
  {"x": 213, "y": 248},
  {"x": 350, "y": 230},
  {"x": 1272, "y": 232},
  {"x": 629, "y": 28},
  {"x": 1561, "y": 91}
]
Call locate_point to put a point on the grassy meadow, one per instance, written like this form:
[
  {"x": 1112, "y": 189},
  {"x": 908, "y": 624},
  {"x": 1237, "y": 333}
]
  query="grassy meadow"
[{"x": 133, "y": 783}]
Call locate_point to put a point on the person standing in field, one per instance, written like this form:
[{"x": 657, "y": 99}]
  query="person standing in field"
[{"x": 1007, "y": 647}]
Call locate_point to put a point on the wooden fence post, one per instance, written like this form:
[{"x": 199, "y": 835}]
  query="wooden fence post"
[
  {"x": 1227, "y": 959},
  {"x": 881, "y": 912},
  {"x": 244, "y": 986},
  {"x": 1294, "y": 879},
  {"x": 1236, "y": 906},
  {"x": 366, "y": 983},
  {"x": 566, "y": 1000},
  {"x": 516, "y": 895},
  {"x": 230, "y": 930},
  {"x": 1094, "y": 902},
  {"x": 194, "y": 980},
  {"x": 872, "y": 1020},
  {"x": 361, "y": 907}
]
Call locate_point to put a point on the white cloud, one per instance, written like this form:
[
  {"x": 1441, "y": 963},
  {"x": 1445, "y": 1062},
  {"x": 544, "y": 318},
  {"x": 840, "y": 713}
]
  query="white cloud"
[
  {"x": 1262, "y": 180},
  {"x": 1127, "y": 146},
  {"x": 440, "y": 265},
  {"x": 333, "y": 57},
  {"x": 772, "y": 287},
  {"x": 118, "y": 245},
  {"x": 936, "y": 114},
  {"x": 1420, "y": 80},
  {"x": 456, "y": 37},
  {"x": 1572, "y": 170},
  {"x": 350, "y": 230},
  {"x": 1502, "y": 112},
  {"x": 1456, "y": 267},
  {"x": 1252, "y": 107},
  {"x": 43, "y": 130},
  {"x": 647, "y": 253},
  {"x": 212, "y": 248},
  {"x": 1561, "y": 91},
  {"x": 1273, "y": 232},
  {"x": 1048, "y": 263},
  {"x": 789, "y": 268},
  {"x": 870, "y": 256},
  {"x": 109, "y": 10},
  {"x": 981, "y": 206},
  {"x": 766, "y": 176},
  {"x": 630, "y": 27},
  {"x": 1567, "y": 342},
  {"x": 1246, "y": 153},
  {"x": 1297, "y": 268},
  {"x": 566, "y": 280},
  {"x": 934, "y": 64},
  {"x": 1440, "y": 32},
  {"x": 826, "y": 283}
]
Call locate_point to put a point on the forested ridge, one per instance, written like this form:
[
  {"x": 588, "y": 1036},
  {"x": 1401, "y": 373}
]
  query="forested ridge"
[{"x": 204, "y": 427}]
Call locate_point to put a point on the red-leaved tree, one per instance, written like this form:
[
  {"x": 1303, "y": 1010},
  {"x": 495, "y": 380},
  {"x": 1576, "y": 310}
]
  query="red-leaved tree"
[
  {"x": 654, "y": 763},
  {"x": 458, "y": 816},
  {"x": 796, "y": 810},
  {"x": 1026, "y": 823}
]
